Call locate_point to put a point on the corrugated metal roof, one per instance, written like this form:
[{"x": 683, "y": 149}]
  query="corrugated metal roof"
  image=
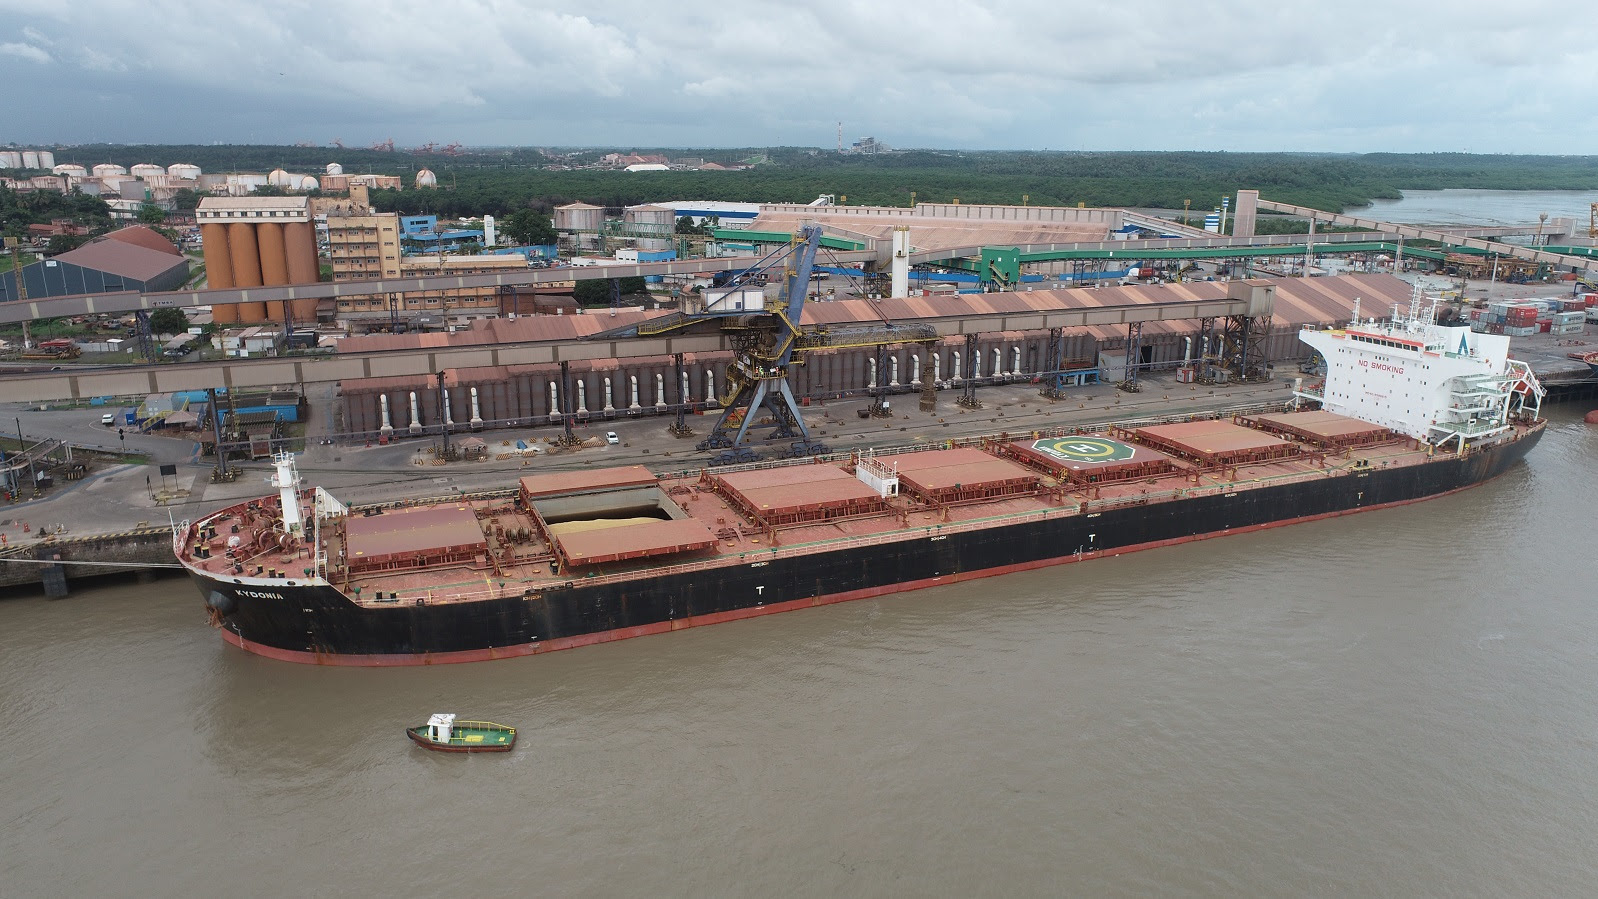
[
  {"x": 144, "y": 236},
  {"x": 129, "y": 260}
]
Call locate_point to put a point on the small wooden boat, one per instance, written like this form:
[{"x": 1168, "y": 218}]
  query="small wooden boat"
[{"x": 442, "y": 733}]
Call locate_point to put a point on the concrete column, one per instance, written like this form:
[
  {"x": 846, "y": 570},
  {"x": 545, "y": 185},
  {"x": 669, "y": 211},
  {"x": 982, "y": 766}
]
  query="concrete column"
[
  {"x": 608, "y": 406},
  {"x": 937, "y": 367},
  {"x": 915, "y": 370},
  {"x": 871, "y": 372},
  {"x": 660, "y": 391},
  {"x": 477, "y": 418},
  {"x": 710, "y": 385},
  {"x": 449, "y": 414},
  {"x": 954, "y": 367},
  {"x": 893, "y": 369},
  {"x": 901, "y": 261},
  {"x": 554, "y": 401},
  {"x": 1015, "y": 356},
  {"x": 634, "y": 404},
  {"x": 582, "y": 396},
  {"x": 998, "y": 362},
  {"x": 416, "y": 415},
  {"x": 388, "y": 428}
]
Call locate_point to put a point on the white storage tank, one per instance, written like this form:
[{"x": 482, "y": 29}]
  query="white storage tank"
[
  {"x": 579, "y": 217},
  {"x": 649, "y": 219},
  {"x": 10, "y": 159},
  {"x": 30, "y": 159},
  {"x": 280, "y": 178},
  {"x": 308, "y": 183},
  {"x": 145, "y": 169},
  {"x": 46, "y": 159},
  {"x": 334, "y": 168},
  {"x": 71, "y": 170},
  {"x": 106, "y": 168},
  {"x": 426, "y": 178},
  {"x": 185, "y": 170}
]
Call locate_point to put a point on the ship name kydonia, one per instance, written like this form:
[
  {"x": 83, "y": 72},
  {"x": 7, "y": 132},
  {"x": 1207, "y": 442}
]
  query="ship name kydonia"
[{"x": 259, "y": 594}]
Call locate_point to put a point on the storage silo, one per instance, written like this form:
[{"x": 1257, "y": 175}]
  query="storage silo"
[
  {"x": 46, "y": 159},
  {"x": 300, "y": 241},
  {"x": 71, "y": 170},
  {"x": 246, "y": 256},
  {"x": 650, "y": 225},
  {"x": 426, "y": 178},
  {"x": 274, "y": 263},
  {"x": 218, "y": 269},
  {"x": 145, "y": 169},
  {"x": 185, "y": 170},
  {"x": 10, "y": 159},
  {"x": 579, "y": 217},
  {"x": 106, "y": 168},
  {"x": 30, "y": 159},
  {"x": 334, "y": 168}
]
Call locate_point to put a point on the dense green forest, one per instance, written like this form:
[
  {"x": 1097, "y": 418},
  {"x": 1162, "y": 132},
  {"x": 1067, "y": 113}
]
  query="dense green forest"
[{"x": 501, "y": 181}]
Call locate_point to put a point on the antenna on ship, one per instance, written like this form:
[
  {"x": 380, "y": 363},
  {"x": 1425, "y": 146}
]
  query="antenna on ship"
[{"x": 1355, "y": 321}]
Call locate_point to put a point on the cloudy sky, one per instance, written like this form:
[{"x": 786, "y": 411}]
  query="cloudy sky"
[{"x": 1349, "y": 75}]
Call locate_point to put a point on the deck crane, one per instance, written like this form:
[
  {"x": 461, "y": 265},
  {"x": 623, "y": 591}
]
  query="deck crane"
[{"x": 767, "y": 339}]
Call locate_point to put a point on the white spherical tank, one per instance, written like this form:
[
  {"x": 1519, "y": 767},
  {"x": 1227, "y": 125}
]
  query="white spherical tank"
[
  {"x": 279, "y": 178},
  {"x": 71, "y": 170},
  {"x": 308, "y": 183},
  {"x": 334, "y": 168},
  {"x": 145, "y": 169},
  {"x": 426, "y": 178},
  {"x": 10, "y": 159},
  {"x": 46, "y": 159},
  {"x": 106, "y": 168},
  {"x": 185, "y": 170},
  {"x": 30, "y": 159}
]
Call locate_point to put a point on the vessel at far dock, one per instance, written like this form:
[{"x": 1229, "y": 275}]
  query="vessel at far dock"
[{"x": 1408, "y": 410}]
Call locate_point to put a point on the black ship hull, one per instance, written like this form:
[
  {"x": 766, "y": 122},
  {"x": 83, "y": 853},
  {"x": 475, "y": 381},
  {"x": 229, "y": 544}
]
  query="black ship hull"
[{"x": 320, "y": 625}]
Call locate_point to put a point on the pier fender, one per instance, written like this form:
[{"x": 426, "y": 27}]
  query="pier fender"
[{"x": 219, "y": 601}]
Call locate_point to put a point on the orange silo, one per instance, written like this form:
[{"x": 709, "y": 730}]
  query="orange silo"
[
  {"x": 274, "y": 263},
  {"x": 244, "y": 252},
  {"x": 303, "y": 265},
  {"x": 218, "y": 269}
]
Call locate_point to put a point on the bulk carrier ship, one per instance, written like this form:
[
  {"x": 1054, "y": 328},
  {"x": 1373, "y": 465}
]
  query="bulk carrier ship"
[{"x": 1408, "y": 410}]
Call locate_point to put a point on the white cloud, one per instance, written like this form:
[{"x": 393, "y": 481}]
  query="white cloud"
[
  {"x": 26, "y": 51},
  {"x": 1065, "y": 74}
]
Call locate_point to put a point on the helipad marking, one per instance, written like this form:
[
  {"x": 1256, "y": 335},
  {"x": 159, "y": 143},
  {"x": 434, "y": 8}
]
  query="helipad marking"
[{"x": 1085, "y": 449}]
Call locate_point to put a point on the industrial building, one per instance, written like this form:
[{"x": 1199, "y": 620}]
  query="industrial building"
[
  {"x": 255, "y": 242},
  {"x": 116, "y": 262},
  {"x": 494, "y": 396}
]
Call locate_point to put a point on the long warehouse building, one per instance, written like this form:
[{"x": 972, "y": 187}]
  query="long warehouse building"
[{"x": 514, "y": 395}]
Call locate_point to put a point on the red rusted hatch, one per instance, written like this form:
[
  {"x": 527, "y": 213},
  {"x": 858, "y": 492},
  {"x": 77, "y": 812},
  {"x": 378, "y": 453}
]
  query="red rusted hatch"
[
  {"x": 1327, "y": 430},
  {"x": 796, "y": 494},
  {"x": 1215, "y": 442},
  {"x": 635, "y": 541},
  {"x": 960, "y": 475},
  {"x": 562, "y": 482},
  {"x": 413, "y": 538}
]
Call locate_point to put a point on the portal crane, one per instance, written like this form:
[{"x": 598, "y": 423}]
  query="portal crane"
[{"x": 767, "y": 340}]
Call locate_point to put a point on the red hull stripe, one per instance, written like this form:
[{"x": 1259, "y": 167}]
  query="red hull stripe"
[{"x": 543, "y": 646}]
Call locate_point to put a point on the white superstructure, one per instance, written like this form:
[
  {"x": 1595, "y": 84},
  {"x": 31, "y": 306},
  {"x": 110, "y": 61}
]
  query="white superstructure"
[{"x": 1433, "y": 383}]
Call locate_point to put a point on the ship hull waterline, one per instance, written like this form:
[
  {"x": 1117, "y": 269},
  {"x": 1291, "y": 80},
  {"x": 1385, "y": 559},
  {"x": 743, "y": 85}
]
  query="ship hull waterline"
[{"x": 319, "y": 625}]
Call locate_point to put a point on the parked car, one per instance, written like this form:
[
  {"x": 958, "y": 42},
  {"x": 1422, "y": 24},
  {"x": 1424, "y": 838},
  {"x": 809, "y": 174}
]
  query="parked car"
[
  {"x": 108, "y": 419},
  {"x": 611, "y": 438}
]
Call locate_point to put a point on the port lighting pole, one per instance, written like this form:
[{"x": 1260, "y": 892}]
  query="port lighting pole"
[{"x": 22, "y": 447}]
